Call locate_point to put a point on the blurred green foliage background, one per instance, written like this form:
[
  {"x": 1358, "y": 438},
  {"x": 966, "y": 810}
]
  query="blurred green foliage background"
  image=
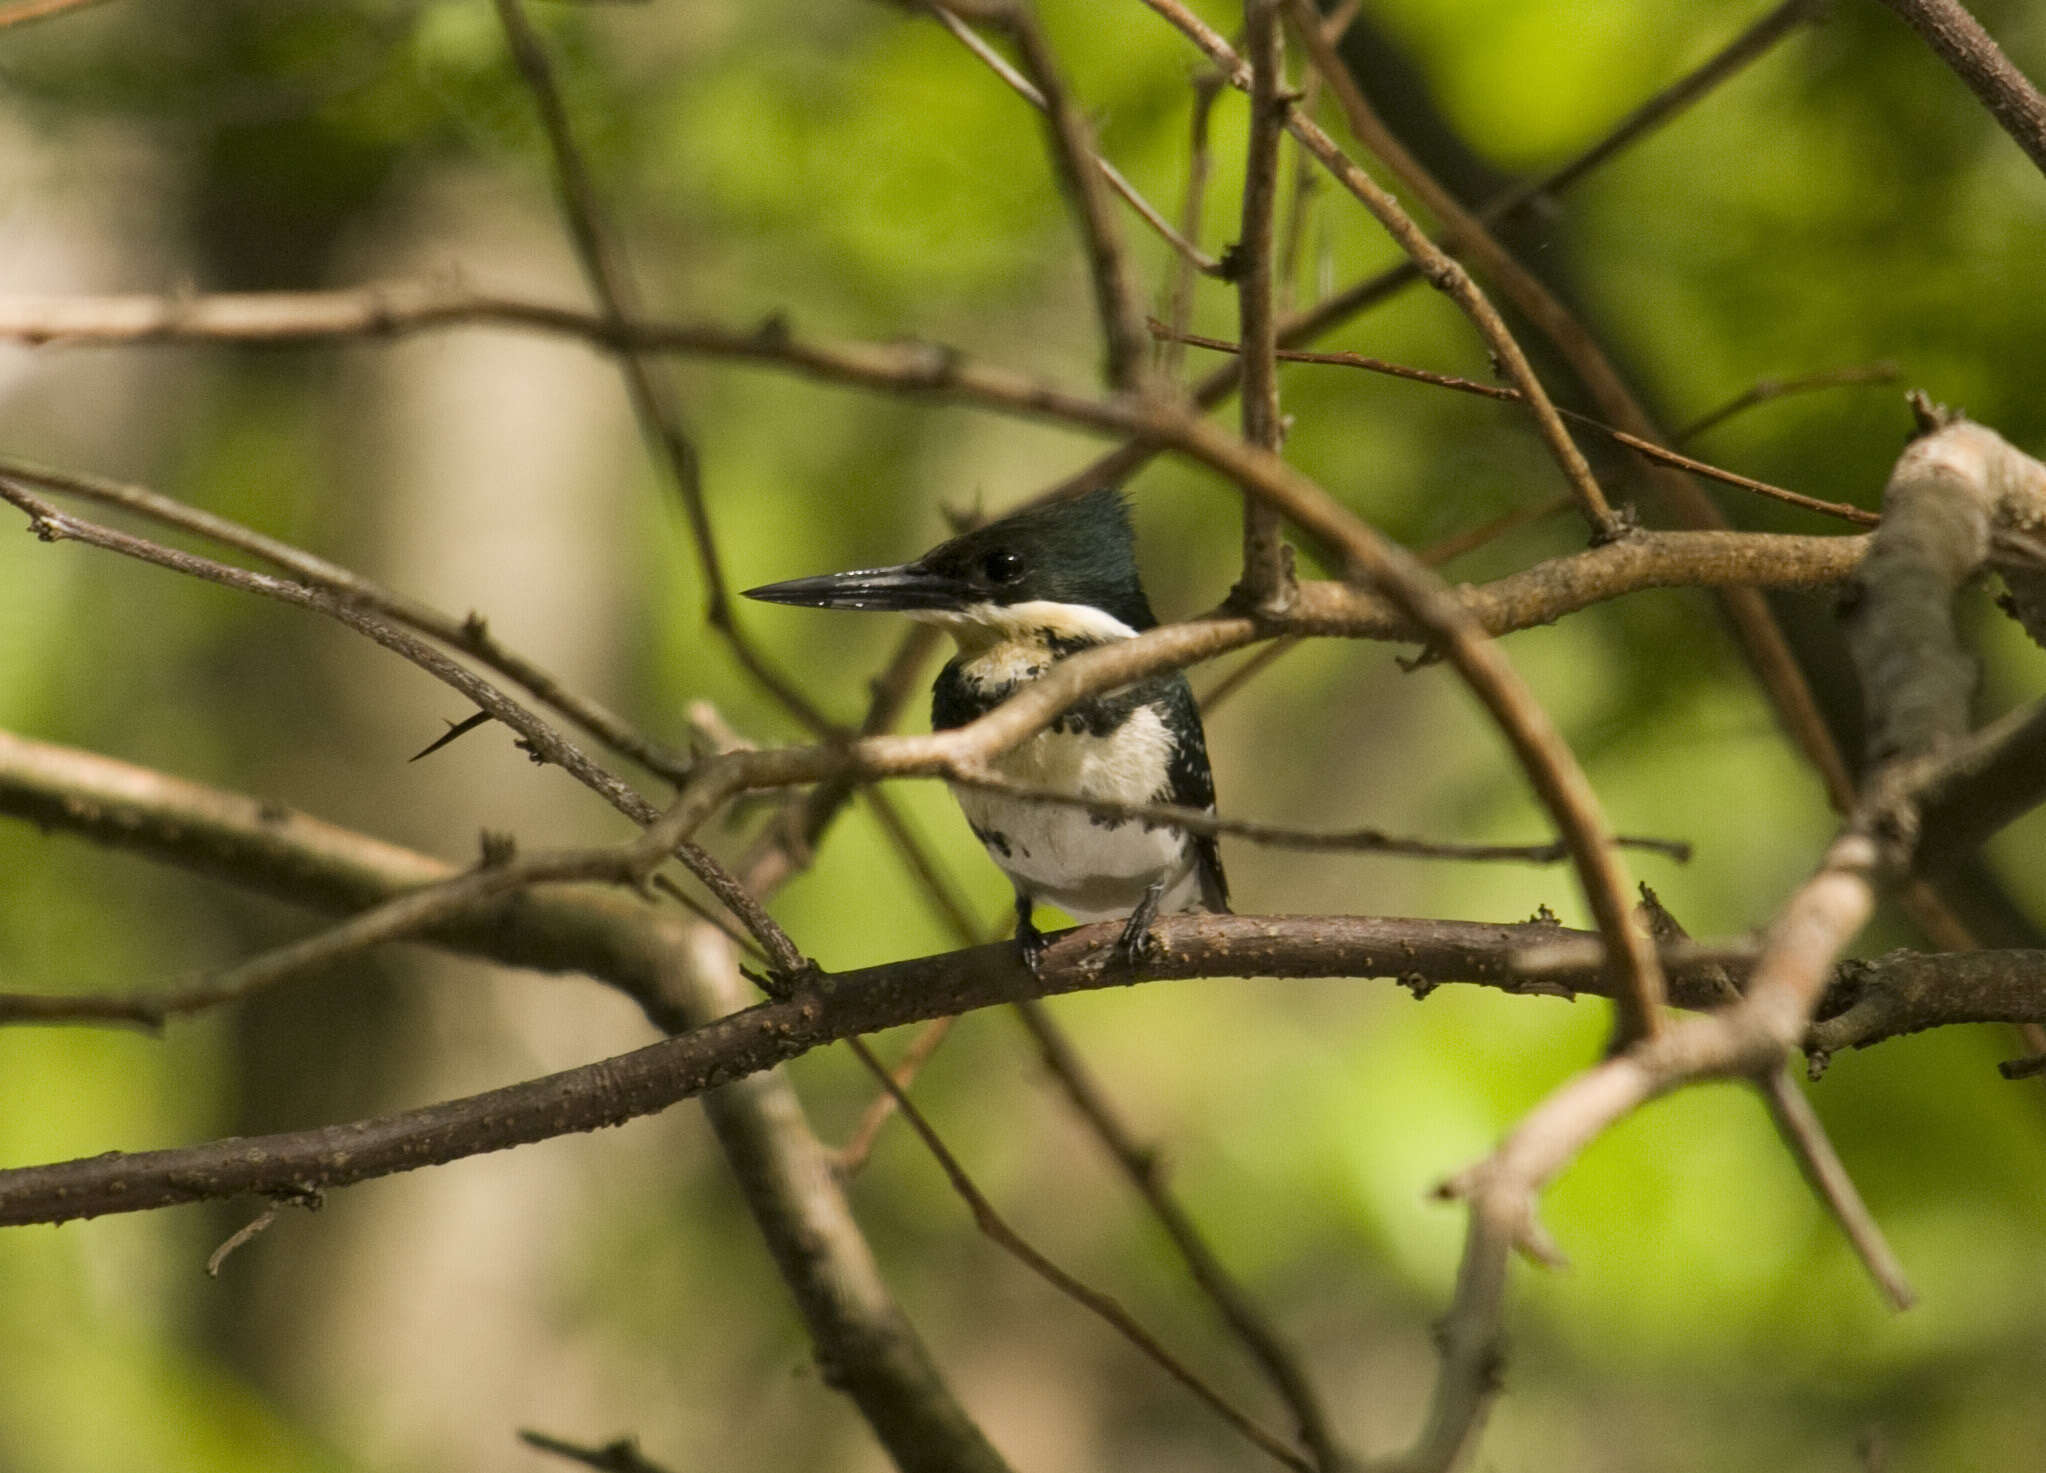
[{"x": 849, "y": 166}]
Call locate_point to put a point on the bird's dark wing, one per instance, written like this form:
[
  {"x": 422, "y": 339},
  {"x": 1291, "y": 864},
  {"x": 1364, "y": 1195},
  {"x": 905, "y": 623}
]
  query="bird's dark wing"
[{"x": 1192, "y": 785}]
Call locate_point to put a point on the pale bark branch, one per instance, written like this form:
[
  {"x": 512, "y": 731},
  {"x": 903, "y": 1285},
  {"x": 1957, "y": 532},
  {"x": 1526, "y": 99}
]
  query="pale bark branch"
[{"x": 1955, "y": 491}]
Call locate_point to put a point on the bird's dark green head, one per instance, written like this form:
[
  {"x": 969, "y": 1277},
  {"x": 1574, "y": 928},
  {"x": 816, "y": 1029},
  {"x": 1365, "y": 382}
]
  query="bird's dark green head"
[{"x": 1068, "y": 568}]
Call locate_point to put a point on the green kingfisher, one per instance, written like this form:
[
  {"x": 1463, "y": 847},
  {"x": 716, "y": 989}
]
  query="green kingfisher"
[{"x": 1018, "y": 595}]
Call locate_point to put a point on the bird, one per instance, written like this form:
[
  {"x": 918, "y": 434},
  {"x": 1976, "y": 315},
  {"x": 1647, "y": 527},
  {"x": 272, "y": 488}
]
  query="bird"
[{"x": 1018, "y": 595}]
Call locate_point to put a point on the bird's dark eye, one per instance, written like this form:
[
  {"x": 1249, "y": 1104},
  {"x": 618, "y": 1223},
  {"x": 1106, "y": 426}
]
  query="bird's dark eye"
[{"x": 1002, "y": 566}]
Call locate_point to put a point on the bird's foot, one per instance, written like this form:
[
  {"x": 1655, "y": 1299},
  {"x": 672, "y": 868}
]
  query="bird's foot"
[
  {"x": 1135, "y": 945},
  {"x": 1029, "y": 945}
]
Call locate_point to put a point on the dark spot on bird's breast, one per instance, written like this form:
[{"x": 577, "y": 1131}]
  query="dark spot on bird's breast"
[
  {"x": 996, "y": 841},
  {"x": 1090, "y": 718}
]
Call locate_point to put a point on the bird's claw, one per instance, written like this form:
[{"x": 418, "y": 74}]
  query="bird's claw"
[
  {"x": 1029, "y": 946},
  {"x": 1136, "y": 945}
]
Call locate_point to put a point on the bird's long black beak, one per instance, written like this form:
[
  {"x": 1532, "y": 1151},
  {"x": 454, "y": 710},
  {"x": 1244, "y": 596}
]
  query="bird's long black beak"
[{"x": 882, "y": 590}]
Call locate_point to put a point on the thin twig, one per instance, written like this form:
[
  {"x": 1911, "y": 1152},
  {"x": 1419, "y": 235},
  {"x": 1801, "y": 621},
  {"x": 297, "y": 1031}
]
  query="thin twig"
[
  {"x": 539, "y": 738},
  {"x": 1760, "y": 636},
  {"x": 1770, "y": 389},
  {"x": 1805, "y": 1136},
  {"x": 470, "y": 635},
  {"x": 621, "y": 1456},
  {"x": 1191, "y": 256},
  {"x": 1809, "y": 1144},
  {"x": 1306, "y": 180},
  {"x": 1179, "y": 306},
  {"x": 1140, "y": 1164},
  {"x": 1661, "y": 455},
  {"x": 247, "y": 1233},
  {"x": 1069, "y": 142},
  {"x": 1323, "y": 316},
  {"x": 1266, "y": 583},
  {"x": 1434, "y": 556},
  {"x": 1440, "y": 269},
  {"x": 21, "y": 12},
  {"x": 991, "y": 1223},
  {"x": 1372, "y": 841},
  {"x": 398, "y": 308},
  {"x": 610, "y": 280},
  {"x": 1960, "y": 41},
  {"x": 403, "y": 917},
  {"x": 851, "y": 1158}
]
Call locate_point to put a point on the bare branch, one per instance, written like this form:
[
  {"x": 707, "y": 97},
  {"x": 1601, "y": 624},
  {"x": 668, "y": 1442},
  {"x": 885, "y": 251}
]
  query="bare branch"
[
  {"x": 610, "y": 278},
  {"x": 1952, "y": 492},
  {"x": 1805, "y": 1137},
  {"x": 541, "y": 739},
  {"x": 1267, "y": 582},
  {"x": 1897, "y": 823},
  {"x": 399, "y": 918},
  {"x": 1770, "y": 389},
  {"x": 1140, "y": 1164},
  {"x": 1069, "y": 141},
  {"x": 1808, "y": 1142},
  {"x": 622, "y": 1456},
  {"x": 1747, "y": 1039},
  {"x": 1647, "y": 450},
  {"x": 1191, "y": 256},
  {"x": 1440, "y": 270},
  {"x": 1754, "y": 624},
  {"x": 1654, "y": 113},
  {"x": 1207, "y": 87},
  {"x": 470, "y": 635},
  {"x": 1961, "y": 42},
  {"x": 841, "y": 1005},
  {"x": 1412, "y": 587},
  {"x": 1370, "y": 841},
  {"x": 997, "y": 1229},
  {"x": 852, "y": 1157}
]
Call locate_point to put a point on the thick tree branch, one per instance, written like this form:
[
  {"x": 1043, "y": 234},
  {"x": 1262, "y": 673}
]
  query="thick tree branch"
[
  {"x": 1416, "y": 953},
  {"x": 1954, "y": 492}
]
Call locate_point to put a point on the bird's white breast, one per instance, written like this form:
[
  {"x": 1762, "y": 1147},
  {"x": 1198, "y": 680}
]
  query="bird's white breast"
[{"x": 1091, "y": 867}]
